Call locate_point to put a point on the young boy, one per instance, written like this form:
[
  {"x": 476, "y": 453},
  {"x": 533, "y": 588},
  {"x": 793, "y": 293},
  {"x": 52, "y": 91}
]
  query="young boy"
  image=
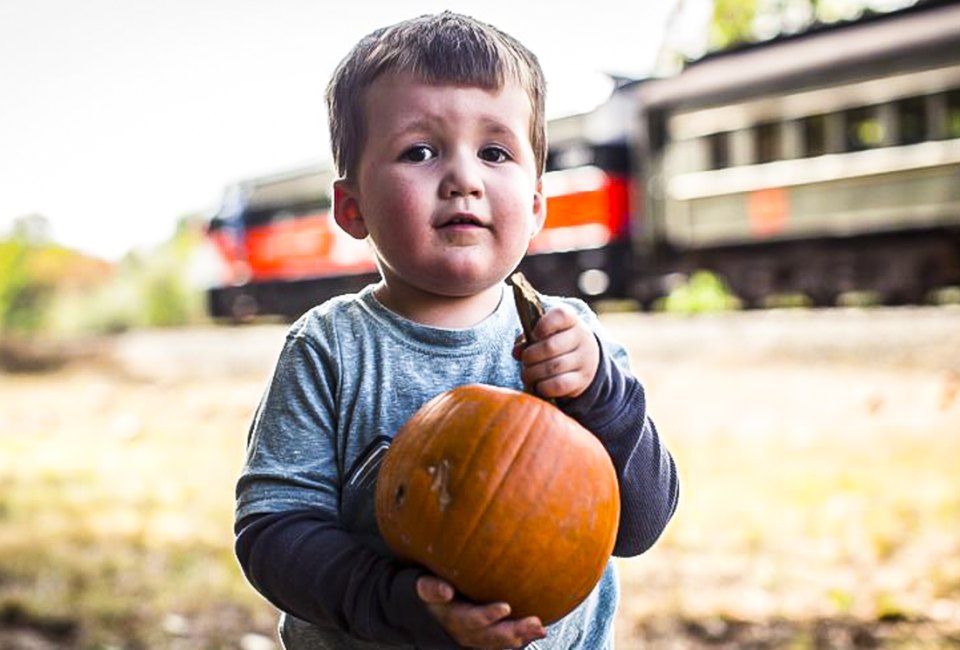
[{"x": 437, "y": 127}]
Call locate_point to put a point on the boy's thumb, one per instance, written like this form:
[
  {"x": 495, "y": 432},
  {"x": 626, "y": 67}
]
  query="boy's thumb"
[{"x": 434, "y": 591}]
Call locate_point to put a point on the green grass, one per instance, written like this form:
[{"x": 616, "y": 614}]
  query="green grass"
[
  {"x": 851, "y": 529},
  {"x": 118, "y": 520}
]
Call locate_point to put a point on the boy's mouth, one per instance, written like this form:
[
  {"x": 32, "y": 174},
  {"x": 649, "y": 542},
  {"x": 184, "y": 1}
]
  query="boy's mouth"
[{"x": 461, "y": 220}]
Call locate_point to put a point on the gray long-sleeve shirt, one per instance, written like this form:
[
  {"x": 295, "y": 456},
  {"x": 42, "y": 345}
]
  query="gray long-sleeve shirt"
[{"x": 350, "y": 375}]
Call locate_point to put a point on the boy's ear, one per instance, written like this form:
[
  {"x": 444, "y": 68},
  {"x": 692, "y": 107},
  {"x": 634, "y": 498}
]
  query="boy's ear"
[
  {"x": 346, "y": 210},
  {"x": 539, "y": 209}
]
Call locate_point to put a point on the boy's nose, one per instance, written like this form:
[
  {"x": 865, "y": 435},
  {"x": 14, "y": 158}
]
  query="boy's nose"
[{"x": 461, "y": 178}]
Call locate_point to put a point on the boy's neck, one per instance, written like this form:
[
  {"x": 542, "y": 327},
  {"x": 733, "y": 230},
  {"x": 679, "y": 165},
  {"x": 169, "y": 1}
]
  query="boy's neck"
[{"x": 450, "y": 312}]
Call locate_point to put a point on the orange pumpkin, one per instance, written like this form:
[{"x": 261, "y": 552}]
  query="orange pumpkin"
[{"x": 504, "y": 496}]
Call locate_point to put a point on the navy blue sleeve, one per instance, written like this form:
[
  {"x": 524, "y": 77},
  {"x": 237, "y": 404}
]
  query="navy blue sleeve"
[
  {"x": 308, "y": 566},
  {"x": 614, "y": 408}
]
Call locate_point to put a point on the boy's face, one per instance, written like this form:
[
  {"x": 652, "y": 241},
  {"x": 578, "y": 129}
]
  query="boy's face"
[{"x": 446, "y": 186}]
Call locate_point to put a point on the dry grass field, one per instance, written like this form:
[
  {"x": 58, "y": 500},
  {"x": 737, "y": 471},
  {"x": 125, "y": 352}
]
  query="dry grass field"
[{"x": 819, "y": 454}]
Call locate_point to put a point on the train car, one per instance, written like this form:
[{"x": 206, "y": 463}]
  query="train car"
[
  {"x": 585, "y": 248},
  {"x": 278, "y": 248},
  {"x": 819, "y": 164},
  {"x": 280, "y": 251}
]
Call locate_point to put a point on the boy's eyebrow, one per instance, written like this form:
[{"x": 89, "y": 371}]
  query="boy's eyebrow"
[
  {"x": 427, "y": 124},
  {"x": 497, "y": 126},
  {"x": 416, "y": 125}
]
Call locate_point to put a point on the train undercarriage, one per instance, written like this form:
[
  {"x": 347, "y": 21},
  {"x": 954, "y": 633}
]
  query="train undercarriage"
[{"x": 891, "y": 268}]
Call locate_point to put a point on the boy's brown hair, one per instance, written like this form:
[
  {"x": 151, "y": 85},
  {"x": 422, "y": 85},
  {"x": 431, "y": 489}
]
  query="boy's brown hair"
[{"x": 444, "y": 48}]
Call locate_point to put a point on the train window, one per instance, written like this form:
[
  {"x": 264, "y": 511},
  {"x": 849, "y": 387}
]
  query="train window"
[
  {"x": 862, "y": 128},
  {"x": 953, "y": 113},
  {"x": 767, "y": 142},
  {"x": 612, "y": 157},
  {"x": 911, "y": 120},
  {"x": 814, "y": 133},
  {"x": 608, "y": 157},
  {"x": 718, "y": 150}
]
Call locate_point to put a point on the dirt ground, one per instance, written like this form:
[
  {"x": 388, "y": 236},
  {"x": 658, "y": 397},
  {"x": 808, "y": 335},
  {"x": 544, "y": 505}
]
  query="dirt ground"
[{"x": 817, "y": 452}]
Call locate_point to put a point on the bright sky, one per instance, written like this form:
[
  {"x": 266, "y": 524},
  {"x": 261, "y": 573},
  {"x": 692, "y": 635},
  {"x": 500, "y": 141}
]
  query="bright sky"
[{"x": 119, "y": 116}]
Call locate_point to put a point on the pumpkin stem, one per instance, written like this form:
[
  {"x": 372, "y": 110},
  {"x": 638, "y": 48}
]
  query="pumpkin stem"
[
  {"x": 530, "y": 309},
  {"x": 528, "y": 303}
]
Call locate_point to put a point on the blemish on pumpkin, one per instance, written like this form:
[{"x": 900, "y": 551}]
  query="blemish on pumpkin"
[
  {"x": 401, "y": 494},
  {"x": 441, "y": 476}
]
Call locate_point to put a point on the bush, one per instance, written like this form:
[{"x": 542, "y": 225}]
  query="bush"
[
  {"x": 49, "y": 290},
  {"x": 24, "y": 297},
  {"x": 702, "y": 292}
]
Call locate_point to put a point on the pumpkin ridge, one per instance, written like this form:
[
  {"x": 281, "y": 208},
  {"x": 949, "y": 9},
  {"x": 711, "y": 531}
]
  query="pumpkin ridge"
[
  {"x": 582, "y": 590},
  {"x": 499, "y": 482},
  {"x": 546, "y": 485},
  {"x": 522, "y": 590},
  {"x": 588, "y": 583},
  {"x": 572, "y": 594}
]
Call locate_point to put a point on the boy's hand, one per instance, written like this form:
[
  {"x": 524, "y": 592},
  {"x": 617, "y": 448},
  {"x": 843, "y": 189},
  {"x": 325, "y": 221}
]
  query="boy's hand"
[
  {"x": 476, "y": 626},
  {"x": 562, "y": 359}
]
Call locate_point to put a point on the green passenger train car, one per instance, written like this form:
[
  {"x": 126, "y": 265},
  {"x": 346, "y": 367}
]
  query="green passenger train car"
[{"x": 819, "y": 164}]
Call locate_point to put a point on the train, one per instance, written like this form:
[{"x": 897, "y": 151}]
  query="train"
[{"x": 816, "y": 165}]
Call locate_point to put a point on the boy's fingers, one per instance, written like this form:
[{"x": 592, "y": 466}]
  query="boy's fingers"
[
  {"x": 474, "y": 618},
  {"x": 487, "y": 626},
  {"x": 556, "y": 319},
  {"x": 530, "y": 628},
  {"x": 514, "y": 634},
  {"x": 552, "y": 346},
  {"x": 560, "y": 344},
  {"x": 552, "y": 366},
  {"x": 567, "y": 385}
]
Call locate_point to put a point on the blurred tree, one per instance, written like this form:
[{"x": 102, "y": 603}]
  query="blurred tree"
[
  {"x": 48, "y": 289},
  {"x": 24, "y": 293},
  {"x": 169, "y": 299},
  {"x": 736, "y": 22},
  {"x": 732, "y": 23},
  {"x": 35, "y": 272},
  {"x": 148, "y": 288}
]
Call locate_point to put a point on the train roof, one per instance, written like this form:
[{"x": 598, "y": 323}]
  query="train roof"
[
  {"x": 304, "y": 185},
  {"x": 923, "y": 36},
  {"x": 612, "y": 122}
]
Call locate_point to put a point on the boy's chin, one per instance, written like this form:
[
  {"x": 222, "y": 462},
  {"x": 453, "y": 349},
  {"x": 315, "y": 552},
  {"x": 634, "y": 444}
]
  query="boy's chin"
[
  {"x": 456, "y": 284},
  {"x": 456, "y": 291}
]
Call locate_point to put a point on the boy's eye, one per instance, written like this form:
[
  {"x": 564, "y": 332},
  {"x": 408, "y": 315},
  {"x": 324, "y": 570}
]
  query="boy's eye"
[
  {"x": 494, "y": 154},
  {"x": 418, "y": 153}
]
